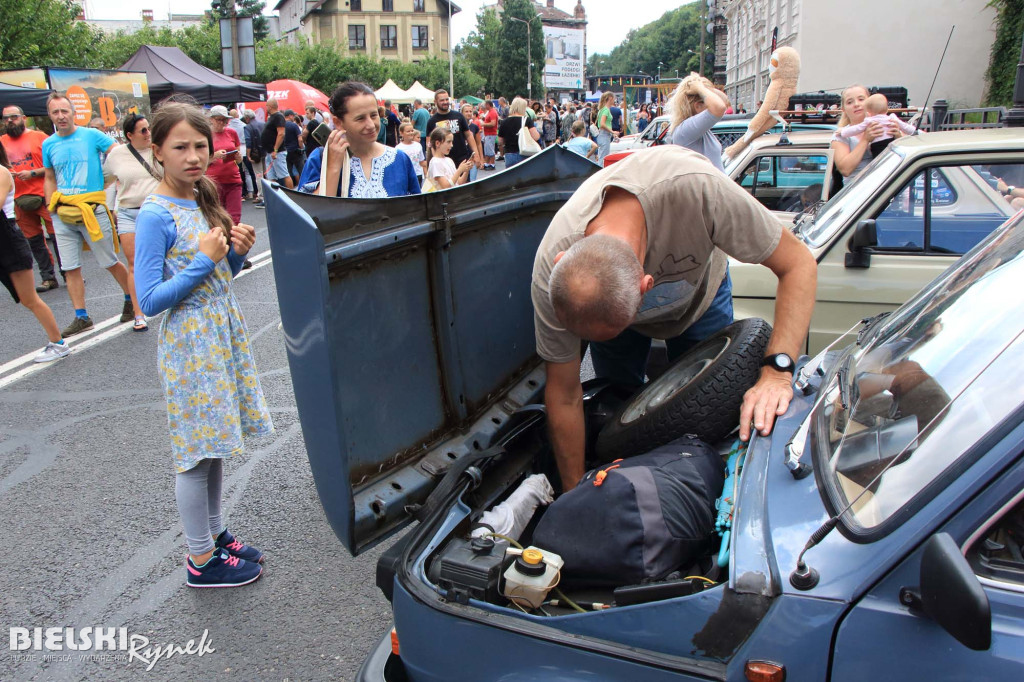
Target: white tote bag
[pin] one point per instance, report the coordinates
(345, 171)
(527, 145)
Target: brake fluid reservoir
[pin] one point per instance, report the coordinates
(531, 576)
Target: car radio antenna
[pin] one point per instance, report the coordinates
(928, 97)
(805, 577)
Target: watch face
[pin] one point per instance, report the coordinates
(783, 361)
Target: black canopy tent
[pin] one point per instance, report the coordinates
(31, 100)
(170, 71)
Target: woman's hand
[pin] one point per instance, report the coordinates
(337, 144)
(873, 131)
(214, 244)
(220, 154)
(242, 238)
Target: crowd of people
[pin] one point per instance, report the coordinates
(171, 198)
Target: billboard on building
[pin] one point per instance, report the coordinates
(563, 58)
(109, 95)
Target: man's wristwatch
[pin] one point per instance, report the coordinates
(780, 362)
(1009, 190)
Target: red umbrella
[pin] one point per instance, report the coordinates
(289, 95)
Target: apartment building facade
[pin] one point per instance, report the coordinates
(873, 42)
(406, 30)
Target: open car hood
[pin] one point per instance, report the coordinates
(409, 329)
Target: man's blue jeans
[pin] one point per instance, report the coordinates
(623, 360)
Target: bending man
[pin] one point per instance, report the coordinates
(659, 223)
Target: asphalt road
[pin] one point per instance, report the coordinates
(92, 535)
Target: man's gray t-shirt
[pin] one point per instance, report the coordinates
(695, 215)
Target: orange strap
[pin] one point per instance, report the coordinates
(603, 473)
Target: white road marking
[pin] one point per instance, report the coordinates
(110, 328)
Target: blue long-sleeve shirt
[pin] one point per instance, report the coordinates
(155, 234)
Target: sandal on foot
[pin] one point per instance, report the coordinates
(140, 324)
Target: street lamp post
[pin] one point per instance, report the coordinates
(660, 64)
(451, 57)
(529, 58)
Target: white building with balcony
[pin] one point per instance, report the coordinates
(873, 42)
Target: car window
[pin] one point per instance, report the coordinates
(785, 182)
(906, 409)
(959, 208)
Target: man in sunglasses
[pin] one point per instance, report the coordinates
(25, 151)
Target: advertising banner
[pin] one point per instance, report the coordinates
(26, 78)
(563, 58)
(109, 95)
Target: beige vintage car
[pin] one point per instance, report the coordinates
(883, 236)
(786, 173)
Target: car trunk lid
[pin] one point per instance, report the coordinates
(409, 330)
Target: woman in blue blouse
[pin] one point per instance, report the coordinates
(374, 170)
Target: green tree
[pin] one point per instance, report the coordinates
(221, 9)
(201, 43)
(666, 40)
(114, 50)
(324, 66)
(1002, 68)
(510, 68)
(44, 33)
(480, 48)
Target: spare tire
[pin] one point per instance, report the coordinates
(699, 394)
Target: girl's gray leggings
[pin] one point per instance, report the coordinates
(197, 492)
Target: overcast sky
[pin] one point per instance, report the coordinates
(608, 20)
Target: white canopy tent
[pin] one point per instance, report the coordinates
(394, 93)
(418, 91)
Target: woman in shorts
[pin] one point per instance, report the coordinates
(16, 268)
(136, 173)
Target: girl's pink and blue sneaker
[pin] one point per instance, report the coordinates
(234, 547)
(222, 570)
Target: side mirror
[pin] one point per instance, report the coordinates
(864, 237)
(951, 595)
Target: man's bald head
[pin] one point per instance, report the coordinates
(596, 287)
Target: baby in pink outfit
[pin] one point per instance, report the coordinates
(877, 107)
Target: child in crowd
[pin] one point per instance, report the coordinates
(186, 253)
(580, 143)
(877, 108)
(412, 148)
(441, 171)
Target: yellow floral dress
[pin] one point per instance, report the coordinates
(213, 391)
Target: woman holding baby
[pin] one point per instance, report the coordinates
(853, 153)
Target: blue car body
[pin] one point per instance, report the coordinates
(409, 331)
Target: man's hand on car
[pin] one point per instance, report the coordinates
(764, 401)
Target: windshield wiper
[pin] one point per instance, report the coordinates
(807, 216)
(870, 324)
(844, 382)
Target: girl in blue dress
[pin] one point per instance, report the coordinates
(187, 252)
(374, 170)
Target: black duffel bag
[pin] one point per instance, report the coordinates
(637, 519)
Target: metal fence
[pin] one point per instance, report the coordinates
(942, 118)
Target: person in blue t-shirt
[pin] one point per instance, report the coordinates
(294, 156)
(73, 166)
(580, 143)
(616, 118)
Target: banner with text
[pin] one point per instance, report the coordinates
(563, 58)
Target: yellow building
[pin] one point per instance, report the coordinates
(406, 30)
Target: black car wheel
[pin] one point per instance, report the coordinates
(700, 394)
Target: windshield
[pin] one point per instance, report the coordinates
(939, 375)
(855, 194)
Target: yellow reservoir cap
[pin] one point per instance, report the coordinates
(533, 556)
